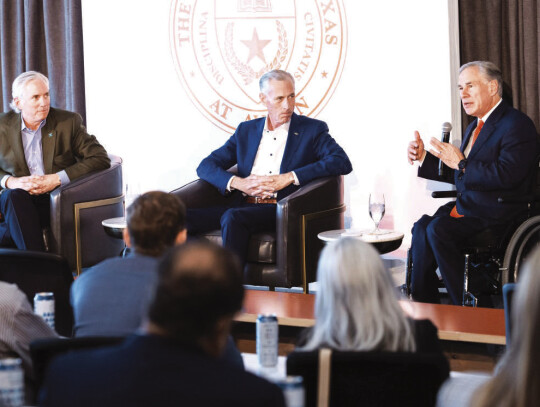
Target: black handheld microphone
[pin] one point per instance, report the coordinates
(446, 128)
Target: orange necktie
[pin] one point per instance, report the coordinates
(454, 213)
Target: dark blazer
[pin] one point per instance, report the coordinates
(501, 163)
(65, 142)
(310, 152)
(152, 371)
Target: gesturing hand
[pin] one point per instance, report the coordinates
(415, 151)
(448, 153)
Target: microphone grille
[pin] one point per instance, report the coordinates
(446, 127)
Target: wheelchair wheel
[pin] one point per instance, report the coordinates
(524, 240)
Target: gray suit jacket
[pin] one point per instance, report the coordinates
(65, 142)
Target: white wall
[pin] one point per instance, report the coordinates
(396, 79)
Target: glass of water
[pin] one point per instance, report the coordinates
(376, 210)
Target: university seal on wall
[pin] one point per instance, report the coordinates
(221, 48)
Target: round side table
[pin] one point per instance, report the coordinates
(387, 242)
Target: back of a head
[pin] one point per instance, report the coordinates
(154, 220)
(516, 381)
(355, 291)
(199, 283)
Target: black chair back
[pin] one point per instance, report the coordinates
(43, 351)
(35, 272)
(508, 296)
(373, 378)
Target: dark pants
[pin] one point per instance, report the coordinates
(237, 223)
(437, 241)
(24, 216)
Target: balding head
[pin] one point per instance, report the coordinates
(199, 284)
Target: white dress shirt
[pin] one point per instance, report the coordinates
(270, 152)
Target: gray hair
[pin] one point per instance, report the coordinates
(515, 383)
(19, 84)
(489, 71)
(356, 307)
(277, 75)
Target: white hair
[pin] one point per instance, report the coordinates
(276, 75)
(356, 306)
(19, 84)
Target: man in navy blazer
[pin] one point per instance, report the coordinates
(497, 158)
(175, 362)
(275, 155)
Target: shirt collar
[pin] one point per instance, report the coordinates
(24, 128)
(485, 117)
(284, 127)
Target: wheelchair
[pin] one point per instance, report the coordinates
(494, 256)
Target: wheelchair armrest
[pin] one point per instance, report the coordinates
(444, 194)
(519, 199)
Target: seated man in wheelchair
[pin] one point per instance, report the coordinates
(497, 158)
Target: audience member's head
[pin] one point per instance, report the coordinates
(199, 291)
(516, 381)
(356, 306)
(155, 223)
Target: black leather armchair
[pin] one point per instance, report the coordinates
(77, 210)
(289, 256)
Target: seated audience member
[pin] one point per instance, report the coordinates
(112, 298)
(175, 361)
(356, 307)
(517, 377)
(18, 327)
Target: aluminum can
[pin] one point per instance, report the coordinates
(44, 307)
(267, 340)
(11, 383)
(293, 390)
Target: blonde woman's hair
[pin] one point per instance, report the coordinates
(517, 382)
(356, 307)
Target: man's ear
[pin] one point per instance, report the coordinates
(262, 97)
(18, 103)
(127, 240)
(181, 237)
(493, 87)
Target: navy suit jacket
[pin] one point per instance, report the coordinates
(501, 163)
(152, 371)
(310, 152)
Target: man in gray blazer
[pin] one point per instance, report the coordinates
(41, 148)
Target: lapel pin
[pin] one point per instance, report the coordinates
(50, 134)
(295, 133)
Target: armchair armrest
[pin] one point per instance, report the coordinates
(300, 217)
(201, 194)
(78, 208)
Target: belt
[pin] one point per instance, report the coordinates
(257, 200)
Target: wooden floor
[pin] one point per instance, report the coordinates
(472, 337)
